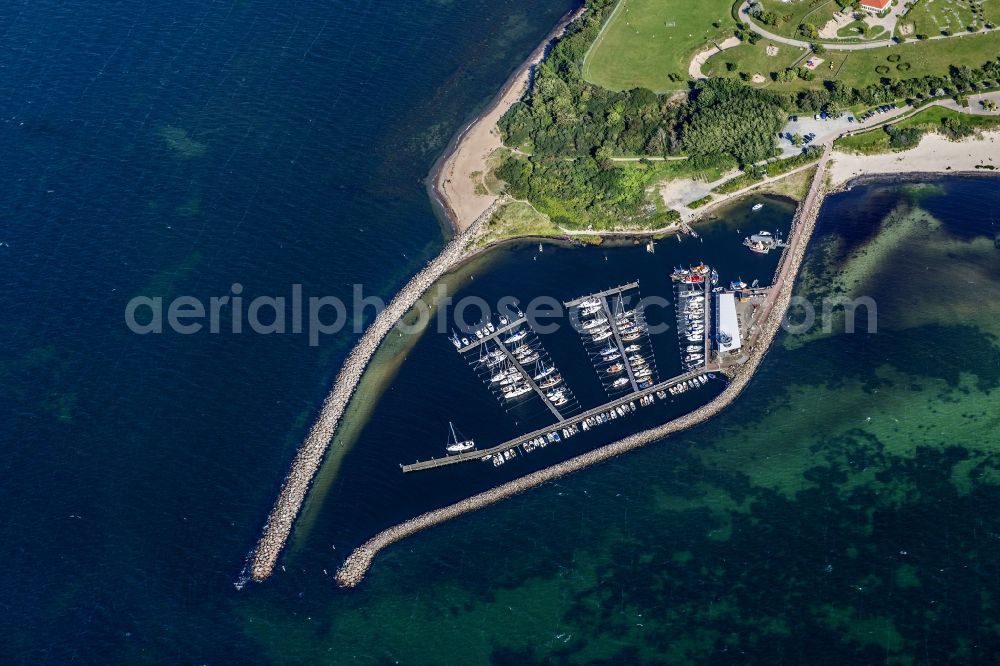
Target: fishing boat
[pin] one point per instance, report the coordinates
(620, 382)
(761, 242)
(693, 279)
(454, 445)
(615, 369)
(737, 285)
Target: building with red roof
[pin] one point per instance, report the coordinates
(876, 7)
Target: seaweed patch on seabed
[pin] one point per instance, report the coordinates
(179, 142)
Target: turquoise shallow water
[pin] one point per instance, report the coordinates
(842, 511)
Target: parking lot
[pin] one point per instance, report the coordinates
(806, 124)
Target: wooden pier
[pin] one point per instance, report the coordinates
(708, 322)
(618, 341)
(614, 291)
(531, 382)
(494, 335)
(527, 437)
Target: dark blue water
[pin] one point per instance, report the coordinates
(169, 150)
(177, 149)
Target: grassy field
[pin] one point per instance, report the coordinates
(932, 17)
(928, 120)
(796, 12)
(857, 68)
(645, 41)
(753, 59)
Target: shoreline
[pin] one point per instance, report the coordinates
(469, 150)
(927, 157)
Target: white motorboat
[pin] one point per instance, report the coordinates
(555, 380)
(517, 392)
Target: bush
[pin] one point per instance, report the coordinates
(895, 57)
(903, 139)
(903, 66)
(882, 69)
(698, 203)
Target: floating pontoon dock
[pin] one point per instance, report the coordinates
(500, 448)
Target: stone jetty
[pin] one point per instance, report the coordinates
(310, 455)
(772, 314)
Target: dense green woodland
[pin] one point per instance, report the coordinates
(572, 129)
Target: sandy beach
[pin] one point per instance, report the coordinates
(934, 154)
(457, 180)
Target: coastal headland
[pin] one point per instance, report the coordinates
(469, 209)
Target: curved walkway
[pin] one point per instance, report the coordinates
(836, 46)
(700, 58)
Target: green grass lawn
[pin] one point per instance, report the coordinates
(931, 17)
(796, 12)
(929, 120)
(647, 40)
(753, 60)
(857, 68)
